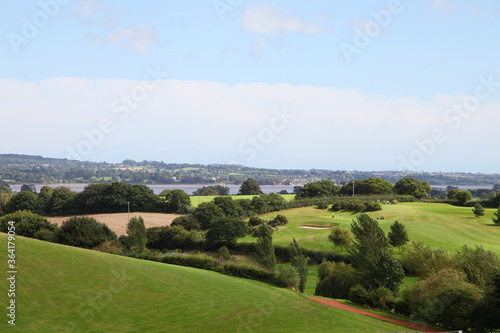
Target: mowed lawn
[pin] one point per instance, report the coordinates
(66, 289)
(439, 225)
(196, 200)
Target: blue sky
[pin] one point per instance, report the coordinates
(378, 85)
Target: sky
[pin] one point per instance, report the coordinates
(325, 84)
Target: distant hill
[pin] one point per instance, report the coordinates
(26, 169)
(65, 289)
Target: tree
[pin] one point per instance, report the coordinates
(250, 187)
(22, 201)
(188, 222)
(398, 235)
(44, 197)
(206, 213)
(324, 188)
(59, 200)
(85, 231)
(137, 237)
(164, 192)
(485, 315)
(177, 201)
(229, 206)
(340, 237)
(264, 248)
(28, 188)
(225, 231)
(413, 187)
(478, 210)
(460, 196)
(497, 214)
(299, 262)
(212, 190)
(370, 257)
(30, 225)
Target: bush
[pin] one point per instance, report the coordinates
(279, 220)
(224, 253)
(30, 225)
(323, 205)
(288, 277)
(423, 260)
(255, 221)
(335, 280)
(382, 298)
(359, 295)
(84, 231)
(188, 222)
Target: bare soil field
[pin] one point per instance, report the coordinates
(118, 221)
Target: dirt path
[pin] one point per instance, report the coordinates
(338, 305)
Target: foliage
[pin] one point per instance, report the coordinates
(288, 277)
(172, 237)
(30, 225)
(478, 264)
(340, 237)
(444, 298)
(177, 200)
(229, 207)
(212, 190)
(398, 235)
(485, 315)
(225, 231)
(478, 210)
(413, 187)
(460, 196)
(206, 213)
(323, 188)
(29, 188)
(370, 257)
(299, 262)
(188, 222)
(224, 253)
(359, 295)
(335, 280)
(25, 200)
(496, 219)
(137, 236)
(424, 261)
(279, 220)
(250, 187)
(255, 221)
(323, 205)
(356, 205)
(84, 231)
(264, 248)
(60, 201)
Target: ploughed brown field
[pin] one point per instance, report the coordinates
(118, 221)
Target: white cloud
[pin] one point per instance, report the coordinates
(447, 7)
(267, 19)
(138, 39)
(190, 120)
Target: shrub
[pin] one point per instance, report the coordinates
(288, 277)
(188, 222)
(224, 253)
(279, 220)
(110, 246)
(30, 225)
(22, 201)
(335, 280)
(255, 221)
(323, 205)
(359, 295)
(84, 231)
(423, 260)
(382, 298)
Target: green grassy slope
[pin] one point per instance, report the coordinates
(439, 225)
(66, 289)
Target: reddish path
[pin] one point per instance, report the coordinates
(338, 305)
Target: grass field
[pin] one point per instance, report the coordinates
(198, 199)
(439, 225)
(65, 289)
(118, 221)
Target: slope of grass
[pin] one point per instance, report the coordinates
(66, 289)
(439, 225)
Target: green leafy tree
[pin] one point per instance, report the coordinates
(136, 234)
(299, 262)
(28, 188)
(340, 237)
(413, 187)
(25, 200)
(250, 187)
(264, 248)
(229, 206)
(44, 197)
(324, 188)
(206, 213)
(478, 210)
(398, 235)
(5, 188)
(370, 256)
(496, 219)
(60, 200)
(164, 192)
(485, 315)
(85, 231)
(460, 196)
(177, 200)
(373, 186)
(188, 222)
(30, 225)
(225, 231)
